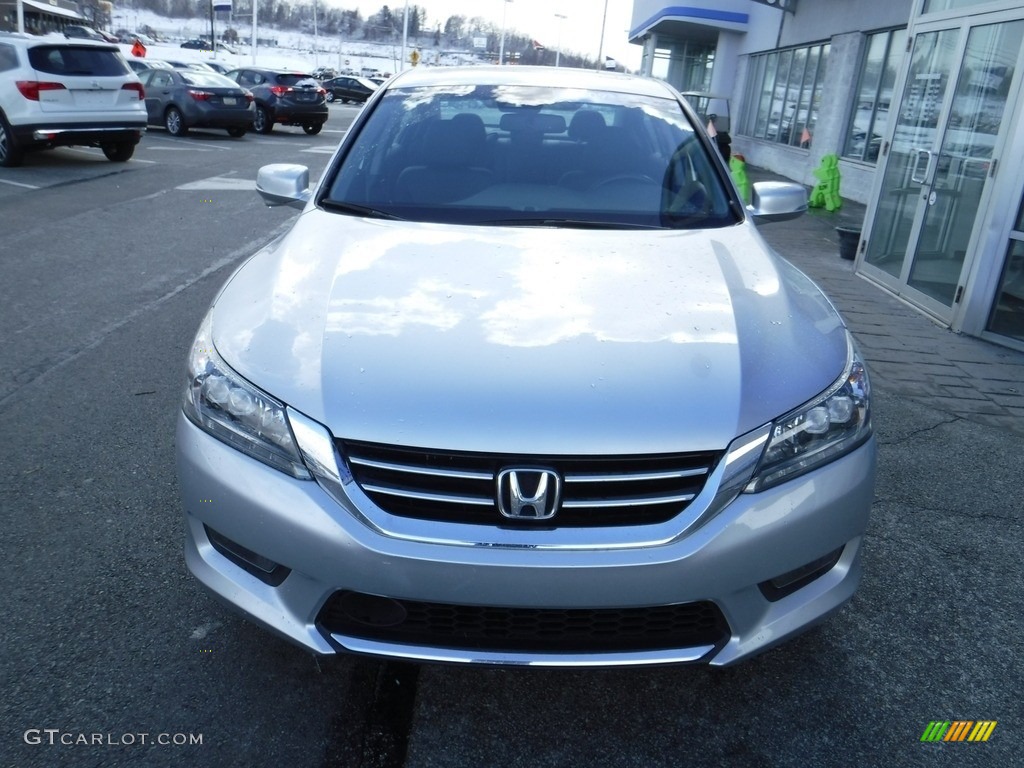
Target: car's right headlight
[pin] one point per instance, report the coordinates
(223, 404)
(831, 425)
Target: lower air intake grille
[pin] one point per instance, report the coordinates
(484, 628)
(462, 487)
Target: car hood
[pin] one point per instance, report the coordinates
(529, 340)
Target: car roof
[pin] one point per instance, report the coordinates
(562, 77)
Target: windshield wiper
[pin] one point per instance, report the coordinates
(358, 210)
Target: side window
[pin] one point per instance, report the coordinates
(8, 57)
(258, 79)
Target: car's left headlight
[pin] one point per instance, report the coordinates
(831, 425)
(222, 403)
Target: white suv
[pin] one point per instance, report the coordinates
(56, 92)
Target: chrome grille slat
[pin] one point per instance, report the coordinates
(613, 503)
(461, 487)
(407, 494)
(419, 470)
(635, 477)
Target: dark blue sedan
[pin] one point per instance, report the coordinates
(184, 99)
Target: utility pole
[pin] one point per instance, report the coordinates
(600, 45)
(405, 36)
(558, 47)
(501, 48)
(255, 5)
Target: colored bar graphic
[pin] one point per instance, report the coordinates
(935, 731)
(958, 730)
(982, 730)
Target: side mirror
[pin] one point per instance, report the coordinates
(284, 184)
(777, 201)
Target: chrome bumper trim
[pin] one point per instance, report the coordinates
(419, 653)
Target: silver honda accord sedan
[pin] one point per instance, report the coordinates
(524, 385)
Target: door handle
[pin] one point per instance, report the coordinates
(917, 163)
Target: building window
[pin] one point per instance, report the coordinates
(882, 57)
(1007, 317)
(783, 94)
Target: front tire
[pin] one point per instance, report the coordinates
(329, 97)
(119, 152)
(313, 129)
(10, 155)
(262, 123)
(174, 122)
(236, 133)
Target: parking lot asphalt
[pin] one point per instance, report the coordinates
(908, 354)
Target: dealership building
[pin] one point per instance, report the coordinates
(921, 101)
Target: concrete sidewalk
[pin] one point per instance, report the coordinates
(907, 353)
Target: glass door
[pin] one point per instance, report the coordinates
(940, 160)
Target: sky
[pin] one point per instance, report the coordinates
(580, 30)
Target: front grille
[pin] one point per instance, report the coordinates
(462, 487)
(488, 628)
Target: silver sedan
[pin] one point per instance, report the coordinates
(523, 385)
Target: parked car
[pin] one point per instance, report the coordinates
(523, 385)
(194, 65)
(284, 96)
(78, 32)
(346, 89)
(56, 92)
(184, 99)
(324, 73)
(197, 44)
(217, 67)
(141, 65)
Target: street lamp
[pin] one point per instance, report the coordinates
(558, 46)
(501, 48)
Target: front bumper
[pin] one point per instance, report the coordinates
(321, 550)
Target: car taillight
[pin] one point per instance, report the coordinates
(200, 95)
(30, 88)
(279, 90)
(248, 97)
(322, 91)
(137, 87)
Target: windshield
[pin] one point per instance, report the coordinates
(510, 154)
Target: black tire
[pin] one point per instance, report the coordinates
(174, 122)
(119, 152)
(313, 128)
(329, 96)
(262, 123)
(236, 132)
(10, 155)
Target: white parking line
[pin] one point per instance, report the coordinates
(220, 183)
(18, 184)
(321, 150)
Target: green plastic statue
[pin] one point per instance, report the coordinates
(826, 192)
(738, 169)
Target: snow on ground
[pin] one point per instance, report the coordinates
(294, 50)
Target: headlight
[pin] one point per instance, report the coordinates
(222, 403)
(823, 430)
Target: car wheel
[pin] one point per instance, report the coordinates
(262, 123)
(236, 133)
(329, 96)
(313, 128)
(119, 152)
(10, 155)
(174, 122)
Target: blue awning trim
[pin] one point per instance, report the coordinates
(693, 13)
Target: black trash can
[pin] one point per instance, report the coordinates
(848, 239)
